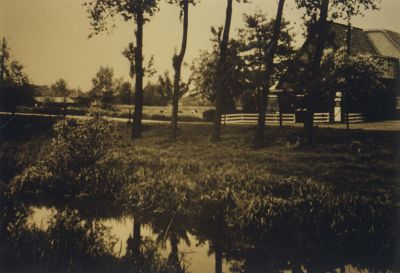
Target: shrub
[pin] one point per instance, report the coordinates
(75, 156)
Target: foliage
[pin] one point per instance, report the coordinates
(102, 10)
(166, 85)
(245, 64)
(338, 8)
(60, 88)
(124, 93)
(204, 73)
(155, 94)
(68, 244)
(15, 88)
(11, 71)
(72, 163)
(255, 38)
(357, 76)
(105, 86)
(129, 54)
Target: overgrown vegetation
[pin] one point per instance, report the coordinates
(237, 199)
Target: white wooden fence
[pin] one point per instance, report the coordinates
(325, 117)
(253, 118)
(286, 118)
(354, 118)
(321, 117)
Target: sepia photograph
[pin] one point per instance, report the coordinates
(199, 136)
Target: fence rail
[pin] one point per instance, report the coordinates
(253, 118)
(321, 117)
(354, 118)
(286, 118)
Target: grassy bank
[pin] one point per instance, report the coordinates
(331, 160)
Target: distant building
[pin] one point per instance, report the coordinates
(384, 44)
(62, 101)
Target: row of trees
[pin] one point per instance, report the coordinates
(15, 87)
(266, 47)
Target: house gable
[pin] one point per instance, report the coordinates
(386, 42)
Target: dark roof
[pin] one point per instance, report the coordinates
(360, 43)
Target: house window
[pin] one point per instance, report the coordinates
(390, 69)
(398, 103)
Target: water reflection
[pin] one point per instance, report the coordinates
(165, 246)
(195, 254)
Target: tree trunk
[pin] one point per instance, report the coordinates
(136, 241)
(221, 69)
(177, 64)
(3, 62)
(347, 96)
(269, 61)
(315, 72)
(218, 258)
(137, 118)
(174, 255)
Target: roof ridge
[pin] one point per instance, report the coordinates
(344, 25)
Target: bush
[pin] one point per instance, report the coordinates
(73, 162)
(208, 115)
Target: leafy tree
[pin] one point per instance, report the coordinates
(269, 55)
(129, 54)
(15, 88)
(60, 88)
(104, 86)
(5, 57)
(166, 85)
(140, 11)
(358, 74)
(221, 70)
(124, 95)
(263, 41)
(153, 95)
(204, 73)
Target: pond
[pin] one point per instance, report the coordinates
(333, 255)
(196, 255)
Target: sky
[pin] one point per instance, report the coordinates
(50, 37)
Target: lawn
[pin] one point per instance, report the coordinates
(331, 160)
